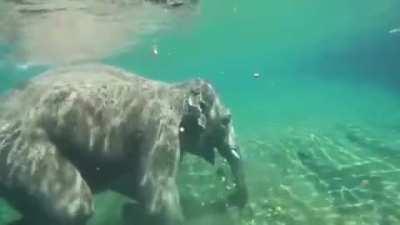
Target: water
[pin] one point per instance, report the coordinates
(318, 125)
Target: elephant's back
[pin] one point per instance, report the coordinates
(92, 81)
(96, 74)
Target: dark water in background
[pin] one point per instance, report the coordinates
(326, 98)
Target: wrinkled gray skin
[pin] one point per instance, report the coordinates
(79, 130)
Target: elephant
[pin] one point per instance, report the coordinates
(78, 130)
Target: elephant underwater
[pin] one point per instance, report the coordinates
(75, 131)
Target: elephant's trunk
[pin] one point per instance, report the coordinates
(232, 155)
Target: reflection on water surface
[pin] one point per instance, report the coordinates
(67, 31)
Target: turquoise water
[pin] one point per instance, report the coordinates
(319, 126)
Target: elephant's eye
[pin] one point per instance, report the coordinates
(226, 119)
(203, 106)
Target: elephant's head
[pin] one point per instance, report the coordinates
(207, 128)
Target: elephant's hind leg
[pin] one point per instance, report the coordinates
(44, 186)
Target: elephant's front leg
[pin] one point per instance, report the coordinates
(158, 190)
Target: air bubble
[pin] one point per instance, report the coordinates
(155, 50)
(256, 75)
